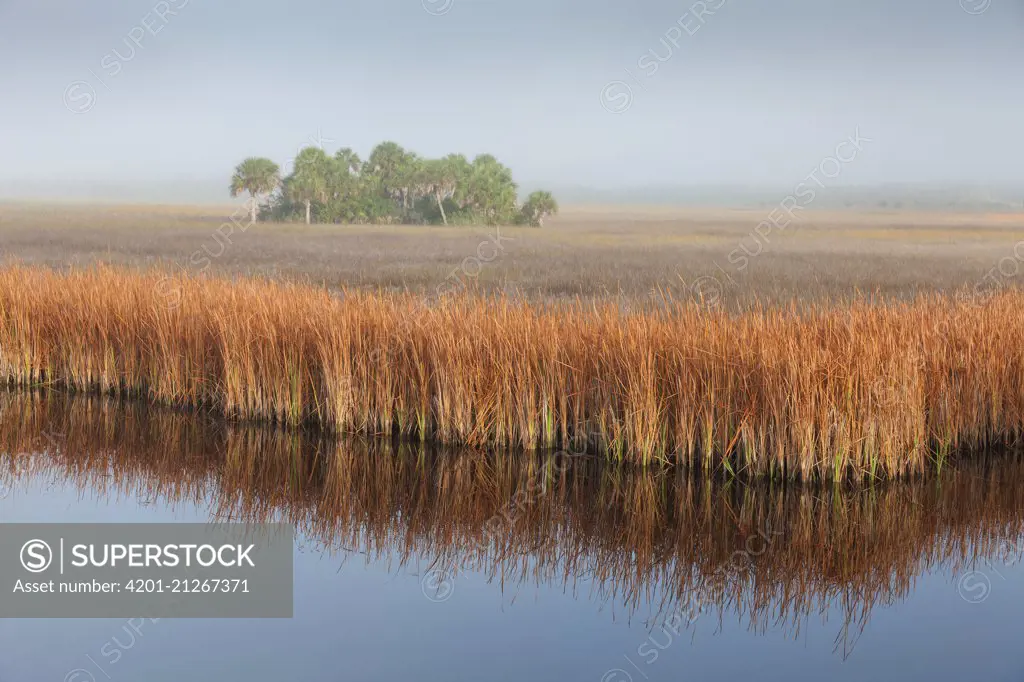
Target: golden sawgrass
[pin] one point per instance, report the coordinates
(863, 390)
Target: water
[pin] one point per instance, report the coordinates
(412, 564)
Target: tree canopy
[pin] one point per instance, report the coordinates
(257, 176)
(393, 185)
(309, 180)
(539, 206)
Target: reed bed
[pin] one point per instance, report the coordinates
(644, 544)
(863, 390)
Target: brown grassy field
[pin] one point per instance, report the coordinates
(588, 251)
(863, 390)
(719, 373)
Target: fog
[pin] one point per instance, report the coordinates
(569, 93)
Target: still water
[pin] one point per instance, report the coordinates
(412, 564)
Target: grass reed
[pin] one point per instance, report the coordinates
(864, 390)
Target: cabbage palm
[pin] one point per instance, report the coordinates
(490, 190)
(443, 177)
(257, 176)
(539, 206)
(309, 179)
(388, 161)
(348, 161)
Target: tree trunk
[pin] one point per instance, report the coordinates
(308, 203)
(253, 209)
(440, 205)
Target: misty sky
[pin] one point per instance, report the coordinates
(758, 94)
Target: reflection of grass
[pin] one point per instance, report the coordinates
(821, 392)
(772, 555)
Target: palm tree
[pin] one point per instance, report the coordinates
(348, 160)
(442, 178)
(490, 190)
(257, 176)
(386, 161)
(309, 179)
(539, 206)
(409, 180)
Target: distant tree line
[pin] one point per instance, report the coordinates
(391, 186)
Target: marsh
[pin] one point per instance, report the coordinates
(634, 254)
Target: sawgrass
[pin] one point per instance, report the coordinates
(832, 392)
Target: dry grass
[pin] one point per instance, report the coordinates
(627, 253)
(856, 391)
(771, 555)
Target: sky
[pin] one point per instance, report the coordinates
(566, 92)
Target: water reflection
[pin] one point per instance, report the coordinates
(660, 547)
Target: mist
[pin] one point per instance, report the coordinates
(145, 99)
